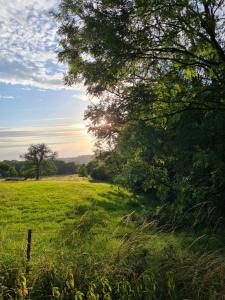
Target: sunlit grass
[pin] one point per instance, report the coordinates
(99, 231)
(51, 209)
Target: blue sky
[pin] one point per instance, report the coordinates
(35, 105)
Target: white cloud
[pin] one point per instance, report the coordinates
(2, 97)
(26, 89)
(28, 44)
(43, 130)
(82, 96)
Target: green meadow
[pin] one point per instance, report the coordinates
(53, 209)
(97, 241)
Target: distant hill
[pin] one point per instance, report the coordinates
(81, 159)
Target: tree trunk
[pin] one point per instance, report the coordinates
(37, 177)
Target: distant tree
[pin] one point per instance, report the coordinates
(12, 171)
(18, 165)
(65, 168)
(71, 168)
(36, 158)
(48, 168)
(104, 166)
(4, 169)
(28, 170)
(7, 170)
(82, 172)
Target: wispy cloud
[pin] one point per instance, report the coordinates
(44, 131)
(28, 57)
(2, 97)
(28, 44)
(66, 139)
(82, 97)
(26, 89)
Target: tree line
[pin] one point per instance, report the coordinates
(39, 160)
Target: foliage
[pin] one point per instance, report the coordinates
(25, 169)
(82, 171)
(39, 161)
(48, 168)
(104, 166)
(66, 168)
(7, 170)
(159, 71)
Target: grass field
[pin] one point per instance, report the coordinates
(52, 208)
(102, 237)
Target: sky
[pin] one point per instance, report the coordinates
(35, 105)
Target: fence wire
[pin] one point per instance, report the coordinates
(42, 241)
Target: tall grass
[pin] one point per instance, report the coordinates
(137, 261)
(114, 247)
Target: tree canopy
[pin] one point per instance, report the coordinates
(39, 161)
(158, 69)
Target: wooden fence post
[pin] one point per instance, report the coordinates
(29, 237)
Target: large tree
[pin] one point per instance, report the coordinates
(37, 157)
(146, 59)
(159, 69)
(112, 42)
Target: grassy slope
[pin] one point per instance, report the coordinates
(51, 209)
(99, 230)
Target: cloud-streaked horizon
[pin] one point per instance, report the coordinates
(33, 97)
(67, 140)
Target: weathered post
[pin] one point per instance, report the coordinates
(29, 237)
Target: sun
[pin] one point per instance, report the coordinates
(103, 122)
